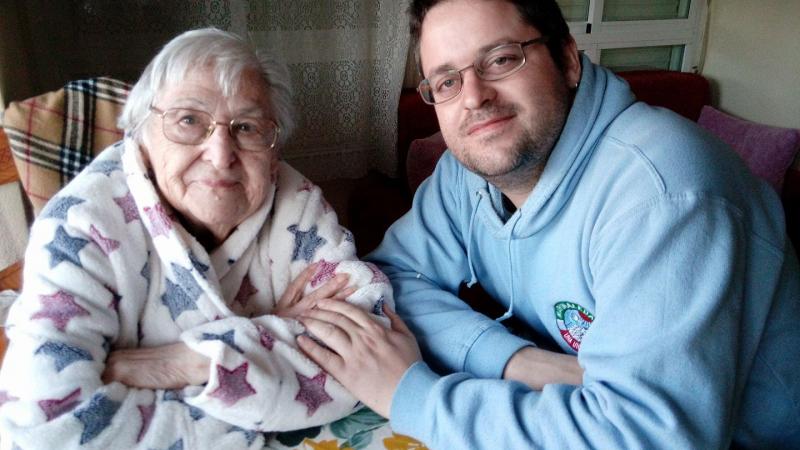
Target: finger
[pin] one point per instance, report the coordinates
(295, 289)
(328, 360)
(396, 322)
(351, 312)
(343, 294)
(331, 287)
(328, 332)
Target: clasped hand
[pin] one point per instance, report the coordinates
(174, 366)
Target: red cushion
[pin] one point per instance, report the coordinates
(684, 93)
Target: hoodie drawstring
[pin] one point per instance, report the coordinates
(510, 311)
(472, 277)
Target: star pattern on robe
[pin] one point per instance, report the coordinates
(249, 435)
(64, 247)
(104, 167)
(106, 245)
(306, 186)
(58, 207)
(96, 416)
(176, 396)
(265, 337)
(146, 411)
(233, 385)
(128, 206)
(181, 296)
(226, 337)
(57, 406)
(245, 291)
(377, 308)
(178, 445)
(115, 298)
(160, 223)
(60, 308)
(348, 236)
(306, 243)
(325, 271)
(145, 272)
(198, 265)
(63, 354)
(377, 275)
(312, 392)
(5, 398)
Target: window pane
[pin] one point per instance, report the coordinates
(617, 10)
(666, 57)
(574, 10)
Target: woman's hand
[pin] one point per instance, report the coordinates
(292, 303)
(171, 366)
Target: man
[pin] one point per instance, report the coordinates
(619, 232)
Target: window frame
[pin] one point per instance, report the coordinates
(689, 32)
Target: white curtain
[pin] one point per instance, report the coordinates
(347, 61)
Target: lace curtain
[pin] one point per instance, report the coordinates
(346, 57)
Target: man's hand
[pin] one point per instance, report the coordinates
(363, 355)
(292, 303)
(536, 367)
(170, 366)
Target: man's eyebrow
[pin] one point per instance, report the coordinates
(449, 66)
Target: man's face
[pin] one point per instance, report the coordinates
(498, 129)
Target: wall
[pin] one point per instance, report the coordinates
(753, 59)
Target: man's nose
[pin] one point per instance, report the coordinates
(476, 91)
(220, 148)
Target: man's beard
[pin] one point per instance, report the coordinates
(527, 155)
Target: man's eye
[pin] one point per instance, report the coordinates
(447, 84)
(502, 60)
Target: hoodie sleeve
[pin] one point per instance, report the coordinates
(425, 257)
(673, 266)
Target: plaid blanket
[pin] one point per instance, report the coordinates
(55, 135)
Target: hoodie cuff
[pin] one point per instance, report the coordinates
(410, 397)
(490, 352)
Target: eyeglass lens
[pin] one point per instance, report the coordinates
(495, 64)
(192, 127)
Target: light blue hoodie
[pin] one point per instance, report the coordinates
(646, 248)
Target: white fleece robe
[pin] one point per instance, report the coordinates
(108, 266)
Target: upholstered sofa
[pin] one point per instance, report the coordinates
(770, 152)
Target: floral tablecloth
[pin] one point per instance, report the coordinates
(363, 429)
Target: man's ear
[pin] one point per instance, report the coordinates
(572, 63)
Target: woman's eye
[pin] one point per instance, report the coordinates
(245, 127)
(188, 119)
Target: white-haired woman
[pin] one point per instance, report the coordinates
(161, 284)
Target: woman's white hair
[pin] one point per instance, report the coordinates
(228, 55)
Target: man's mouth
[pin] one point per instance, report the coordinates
(488, 125)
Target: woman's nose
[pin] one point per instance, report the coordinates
(220, 148)
(476, 92)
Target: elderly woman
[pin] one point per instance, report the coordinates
(161, 284)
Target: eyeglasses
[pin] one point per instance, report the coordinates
(495, 64)
(193, 127)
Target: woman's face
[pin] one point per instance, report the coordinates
(213, 185)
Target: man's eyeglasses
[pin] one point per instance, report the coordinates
(193, 127)
(496, 64)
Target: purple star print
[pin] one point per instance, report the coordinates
(312, 392)
(233, 385)
(60, 308)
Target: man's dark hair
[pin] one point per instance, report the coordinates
(544, 15)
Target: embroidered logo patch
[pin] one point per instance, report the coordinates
(573, 321)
